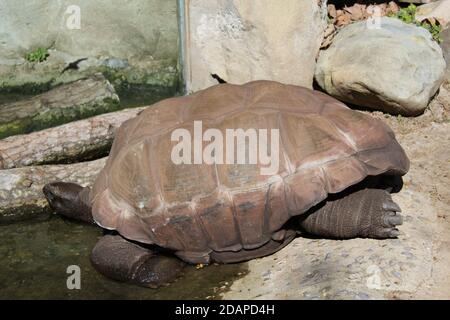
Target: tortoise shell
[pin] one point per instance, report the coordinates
(195, 209)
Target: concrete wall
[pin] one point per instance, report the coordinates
(142, 34)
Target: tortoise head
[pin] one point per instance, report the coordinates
(69, 200)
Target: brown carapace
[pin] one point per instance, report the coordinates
(217, 210)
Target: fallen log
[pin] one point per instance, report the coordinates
(77, 100)
(73, 142)
(21, 196)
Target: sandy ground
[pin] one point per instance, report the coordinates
(414, 266)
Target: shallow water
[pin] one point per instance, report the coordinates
(135, 96)
(138, 96)
(35, 257)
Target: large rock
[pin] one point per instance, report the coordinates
(445, 35)
(417, 1)
(444, 92)
(439, 10)
(243, 40)
(142, 35)
(396, 68)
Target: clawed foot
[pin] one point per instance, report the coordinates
(157, 271)
(391, 219)
(366, 213)
(385, 219)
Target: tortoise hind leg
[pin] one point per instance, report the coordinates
(367, 213)
(124, 261)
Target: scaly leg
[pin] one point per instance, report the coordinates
(122, 260)
(367, 213)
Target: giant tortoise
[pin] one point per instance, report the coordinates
(337, 169)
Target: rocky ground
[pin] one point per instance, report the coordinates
(414, 266)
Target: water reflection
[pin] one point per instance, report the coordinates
(36, 256)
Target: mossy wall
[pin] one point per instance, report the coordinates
(141, 36)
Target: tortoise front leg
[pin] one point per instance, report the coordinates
(122, 260)
(367, 213)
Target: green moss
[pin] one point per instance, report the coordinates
(85, 153)
(135, 87)
(28, 88)
(162, 78)
(54, 117)
(13, 128)
(38, 55)
(122, 79)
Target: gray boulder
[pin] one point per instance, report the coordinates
(439, 10)
(241, 41)
(445, 35)
(396, 68)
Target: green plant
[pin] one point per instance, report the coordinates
(408, 15)
(433, 28)
(38, 55)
